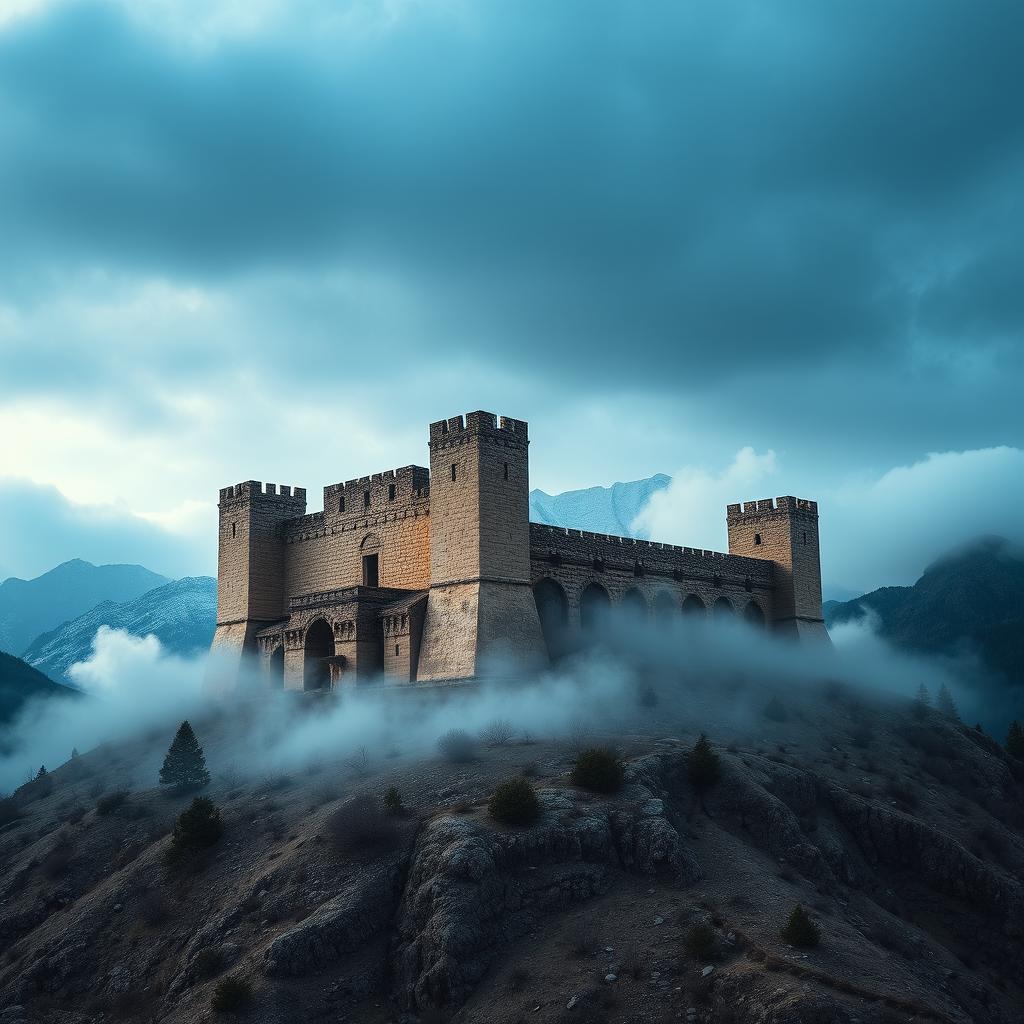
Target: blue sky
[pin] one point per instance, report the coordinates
(274, 240)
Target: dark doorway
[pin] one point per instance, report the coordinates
(723, 609)
(633, 603)
(693, 606)
(370, 570)
(275, 669)
(316, 671)
(753, 615)
(553, 610)
(594, 605)
(665, 607)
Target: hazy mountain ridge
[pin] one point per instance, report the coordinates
(181, 615)
(20, 682)
(597, 509)
(972, 598)
(31, 607)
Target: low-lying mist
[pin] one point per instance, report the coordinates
(664, 679)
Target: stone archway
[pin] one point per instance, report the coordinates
(553, 611)
(634, 603)
(723, 609)
(753, 615)
(317, 649)
(666, 608)
(694, 607)
(594, 606)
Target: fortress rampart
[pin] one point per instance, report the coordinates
(423, 573)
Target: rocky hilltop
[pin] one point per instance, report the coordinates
(899, 831)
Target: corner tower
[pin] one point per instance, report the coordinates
(785, 531)
(480, 604)
(250, 569)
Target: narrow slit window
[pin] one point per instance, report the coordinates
(805, 537)
(757, 538)
(396, 650)
(391, 492)
(234, 529)
(341, 502)
(506, 470)
(453, 470)
(366, 499)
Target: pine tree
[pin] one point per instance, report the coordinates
(945, 703)
(74, 753)
(42, 771)
(185, 766)
(703, 765)
(1015, 740)
(197, 828)
(922, 702)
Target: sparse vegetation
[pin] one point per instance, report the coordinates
(231, 994)
(457, 746)
(359, 763)
(514, 803)
(360, 824)
(197, 829)
(393, 801)
(184, 766)
(703, 765)
(800, 930)
(498, 733)
(598, 769)
(110, 802)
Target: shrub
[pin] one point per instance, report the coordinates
(703, 765)
(393, 801)
(207, 963)
(499, 733)
(231, 994)
(598, 769)
(197, 829)
(184, 766)
(9, 810)
(109, 802)
(1014, 740)
(700, 940)
(458, 746)
(514, 803)
(359, 763)
(76, 814)
(360, 824)
(800, 930)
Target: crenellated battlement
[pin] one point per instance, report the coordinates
(393, 487)
(785, 504)
(475, 423)
(555, 532)
(253, 489)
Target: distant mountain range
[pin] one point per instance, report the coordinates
(30, 607)
(180, 614)
(597, 509)
(971, 599)
(20, 682)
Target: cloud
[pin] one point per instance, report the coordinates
(50, 530)
(875, 530)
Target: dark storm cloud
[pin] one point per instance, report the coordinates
(701, 186)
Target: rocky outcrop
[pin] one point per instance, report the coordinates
(473, 887)
(342, 925)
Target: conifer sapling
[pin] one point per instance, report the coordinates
(184, 766)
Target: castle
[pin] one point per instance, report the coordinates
(419, 575)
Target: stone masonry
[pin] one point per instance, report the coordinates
(419, 575)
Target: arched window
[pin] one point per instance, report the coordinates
(634, 603)
(694, 607)
(666, 609)
(723, 609)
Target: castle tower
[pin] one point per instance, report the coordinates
(250, 570)
(480, 603)
(785, 531)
